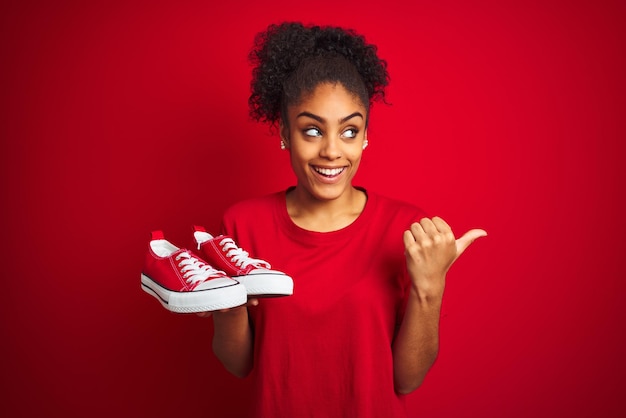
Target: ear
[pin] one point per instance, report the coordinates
(365, 141)
(284, 133)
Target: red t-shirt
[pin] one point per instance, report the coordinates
(326, 350)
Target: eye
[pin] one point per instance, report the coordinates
(350, 133)
(312, 132)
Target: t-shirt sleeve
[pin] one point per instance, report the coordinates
(239, 219)
(229, 224)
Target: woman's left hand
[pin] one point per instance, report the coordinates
(431, 248)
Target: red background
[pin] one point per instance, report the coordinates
(122, 117)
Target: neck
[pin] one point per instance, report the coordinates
(325, 215)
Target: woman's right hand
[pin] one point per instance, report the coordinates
(233, 341)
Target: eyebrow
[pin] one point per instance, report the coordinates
(321, 119)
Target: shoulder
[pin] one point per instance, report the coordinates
(249, 211)
(253, 204)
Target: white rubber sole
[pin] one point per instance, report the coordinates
(207, 300)
(267, 285)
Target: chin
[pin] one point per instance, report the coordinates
(328, 192)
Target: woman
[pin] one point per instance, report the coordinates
(361, 328)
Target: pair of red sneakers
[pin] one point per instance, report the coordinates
(220, 276)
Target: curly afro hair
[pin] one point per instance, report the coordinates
(290, 59)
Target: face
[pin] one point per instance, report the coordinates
(325, 134)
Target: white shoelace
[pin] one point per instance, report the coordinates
(240, 257)
(194, 270)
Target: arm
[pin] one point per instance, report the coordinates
(417, 342)
(233, 339)
(430, 249)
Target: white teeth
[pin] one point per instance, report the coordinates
(328, 171)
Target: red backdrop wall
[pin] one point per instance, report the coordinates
(122, 117)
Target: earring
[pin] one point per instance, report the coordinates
(365, 143)
(283, 146)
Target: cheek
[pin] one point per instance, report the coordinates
(355, 155)
(303, 152)
(355, 162)
(299, 160)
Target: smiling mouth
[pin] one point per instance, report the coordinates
(329, 172)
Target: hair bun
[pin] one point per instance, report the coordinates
(282, 48)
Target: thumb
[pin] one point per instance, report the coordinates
(463, 242)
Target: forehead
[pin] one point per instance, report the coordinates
(331, 99)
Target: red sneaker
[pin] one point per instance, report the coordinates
(183, 283)
(256, 275)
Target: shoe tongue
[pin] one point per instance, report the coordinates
(202, 236)
(180, 251)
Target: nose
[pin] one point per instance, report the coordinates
(330, 148)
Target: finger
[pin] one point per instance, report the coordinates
(408, 238)
(441, 225)
(203, 314)
(418, 232)
(445, 234)
(428, 226)
(463, 242)
(253, 302)
(414, 234)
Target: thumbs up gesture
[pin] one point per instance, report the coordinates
(430, 249)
